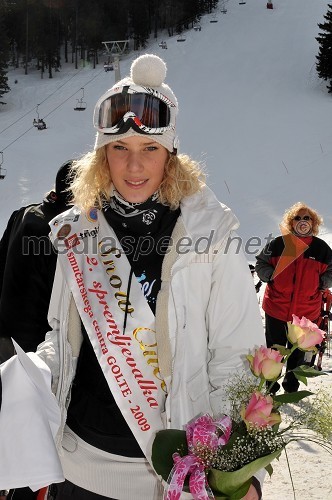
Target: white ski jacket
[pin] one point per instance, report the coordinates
(207, 306)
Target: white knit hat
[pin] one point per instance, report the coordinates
(147, 71)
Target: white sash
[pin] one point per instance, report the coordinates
(97, 273)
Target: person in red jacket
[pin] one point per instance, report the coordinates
(296, 266)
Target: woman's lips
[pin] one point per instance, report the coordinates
(136, 184)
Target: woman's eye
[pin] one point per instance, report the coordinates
(118, 147)
(152, 148)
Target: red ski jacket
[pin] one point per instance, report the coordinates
(298, 288)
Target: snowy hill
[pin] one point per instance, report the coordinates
(251, 108)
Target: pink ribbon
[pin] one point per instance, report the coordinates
(201, 431)
(192, 465)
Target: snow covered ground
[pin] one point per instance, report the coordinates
(310, 465)
(251, 108)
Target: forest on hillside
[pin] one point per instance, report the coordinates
(49, 32)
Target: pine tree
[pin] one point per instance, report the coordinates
(4, 55)
(324, 58)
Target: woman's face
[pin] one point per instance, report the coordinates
(137, 166)
(302, 223)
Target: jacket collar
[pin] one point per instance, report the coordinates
(203, 214)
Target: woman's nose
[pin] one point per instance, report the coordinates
(134, 161)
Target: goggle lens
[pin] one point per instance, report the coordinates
(298, 217)
(149, 109)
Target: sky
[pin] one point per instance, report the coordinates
(252, 111)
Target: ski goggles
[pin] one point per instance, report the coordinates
(145, 109)
(305, 217)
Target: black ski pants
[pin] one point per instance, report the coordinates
(276, 333)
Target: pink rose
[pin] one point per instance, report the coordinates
(266, 363)
(259, 411)
(304, 334)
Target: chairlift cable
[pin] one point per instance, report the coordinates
(63, 102)
(17, 138)
(30, 111)
(48, 114)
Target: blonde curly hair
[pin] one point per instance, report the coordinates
(294, 210)
(92, 182)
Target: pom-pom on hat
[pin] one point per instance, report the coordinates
(148, 71)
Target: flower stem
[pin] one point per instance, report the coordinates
(261, 383)
(290, 474)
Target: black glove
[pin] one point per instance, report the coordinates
(258, 286)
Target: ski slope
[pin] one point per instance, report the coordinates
(252, 110)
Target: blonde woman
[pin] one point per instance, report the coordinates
(297, 268)
(152, 310)
(302, 220)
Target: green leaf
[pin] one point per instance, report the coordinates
(228, 483)
(282, 349)
(307, 371)
(165, 444)
(301, 378)
(269, 469)
(238, 494)
(292, 397)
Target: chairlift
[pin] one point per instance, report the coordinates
(214, 19)
(108, 67)
(197, 27)
(3, 171)
(81, 105)
(163, 44)
(181, 38)
(39, 123)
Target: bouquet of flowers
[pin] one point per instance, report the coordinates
(218, 457)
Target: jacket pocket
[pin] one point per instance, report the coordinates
(198, 392)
